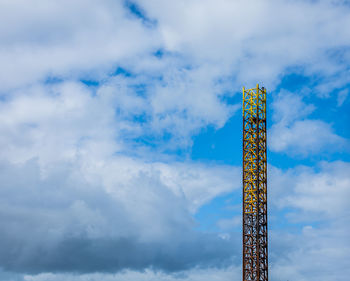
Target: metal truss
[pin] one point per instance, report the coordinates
(255, 265)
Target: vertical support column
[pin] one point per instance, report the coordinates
(255, 263)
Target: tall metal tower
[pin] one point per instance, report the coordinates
(255, 264)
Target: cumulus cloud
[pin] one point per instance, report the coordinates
(182, 87)
(314, 200)
(71, 219)
(74, 199)
(65, 223)
(54, 123)
(65, 39)
(92, 95)
(90, 42)
(321, 193)
(230, 273)
(256, 40)
(293, 134)
(301, 195)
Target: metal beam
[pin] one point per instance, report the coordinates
(255, 256)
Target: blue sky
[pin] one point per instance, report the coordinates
(120, 123)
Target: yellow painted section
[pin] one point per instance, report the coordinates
(254, 148)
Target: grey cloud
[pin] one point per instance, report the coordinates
(223, 274)
(84, 255)
(59, 222)
(81, 206)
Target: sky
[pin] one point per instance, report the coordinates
(121, 137)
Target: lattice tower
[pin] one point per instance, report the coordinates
(255, 263)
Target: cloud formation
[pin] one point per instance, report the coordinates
(294, 134)
(98, 97)
(121, 215)
(314, 200)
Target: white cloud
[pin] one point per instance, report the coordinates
(65, 39)
(294, 135)
(304, 138)
(67, 151)
(55, 122)
(254, 40)
(82, 209)
(288, 107)
(317, 253)
(320, 194)
(231, 273)
(313, 200)
(182, 90)
(70, 189)
(342, 95)
(228, 224)
(209, 41)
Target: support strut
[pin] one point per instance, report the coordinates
(255, 263)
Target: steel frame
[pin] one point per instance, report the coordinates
(255, 256)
